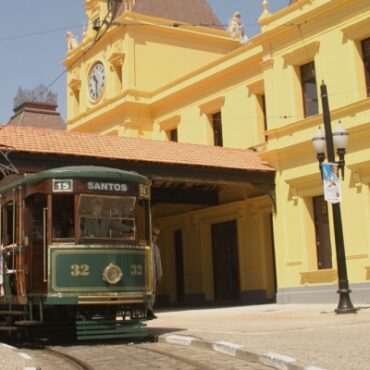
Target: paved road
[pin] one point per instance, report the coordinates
(312, 335)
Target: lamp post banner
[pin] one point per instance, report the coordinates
(332, 191)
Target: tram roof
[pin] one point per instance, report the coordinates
(74, 172)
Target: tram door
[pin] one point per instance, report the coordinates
(225, 261)
(35, 206)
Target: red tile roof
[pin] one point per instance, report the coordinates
(66, 143)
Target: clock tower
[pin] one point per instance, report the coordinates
(130, 51)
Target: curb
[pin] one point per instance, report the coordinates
(274, 360)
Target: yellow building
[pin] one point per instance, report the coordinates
(159, 75)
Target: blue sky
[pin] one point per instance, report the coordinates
(28, 61)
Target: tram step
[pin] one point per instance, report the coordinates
(13, 313)
(103, 329)
(8, 328)
(28, 323)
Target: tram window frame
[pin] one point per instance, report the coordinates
(87, 214)
(143, 218)
(9, 234)
(66, 228)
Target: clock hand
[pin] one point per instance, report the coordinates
(96, 83)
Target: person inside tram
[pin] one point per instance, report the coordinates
(99, 225)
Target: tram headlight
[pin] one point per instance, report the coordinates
(112, 274)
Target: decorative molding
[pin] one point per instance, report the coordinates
(309, 185)
(92, 9)
(356, 181)
(357, 256)
(170, 123)
(367, 268)
(293, 194)
(319, 276)
(256, 87)
(117, 59)
(75, 85)
(294, 263)
(267, 62)
(358, 31)
(302, 55)
(269, 189)
(360, 174)
(212, 106)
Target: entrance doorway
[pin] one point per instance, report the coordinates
(225, 261)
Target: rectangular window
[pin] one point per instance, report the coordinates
(262, 113)
(172, 135)
(366, 58)
(323, 245)
(217, 129)
(309, 89)
(63, 216)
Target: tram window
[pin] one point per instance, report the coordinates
(63, 216)
(107, 217)
(36, 203)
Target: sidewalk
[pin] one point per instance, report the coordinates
(13, 359)
(285, 336)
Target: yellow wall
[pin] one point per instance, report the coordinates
(254, 240)
(160, 92)
(139, 59)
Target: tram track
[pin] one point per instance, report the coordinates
(75, 362)
(195, 364)
(132, 356)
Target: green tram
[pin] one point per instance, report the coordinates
(75, 250)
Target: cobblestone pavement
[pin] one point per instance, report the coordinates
(143, 356)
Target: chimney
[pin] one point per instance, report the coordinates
(41, 115)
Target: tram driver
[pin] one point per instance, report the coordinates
(99, 224)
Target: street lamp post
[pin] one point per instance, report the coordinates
(340, 139)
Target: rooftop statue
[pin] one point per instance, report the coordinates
(236, 28)
(129, 5)
(71, 41)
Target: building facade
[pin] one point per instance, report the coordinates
(172, 79)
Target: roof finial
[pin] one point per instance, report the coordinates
(129, 5)
(265, 12)
(265, 5)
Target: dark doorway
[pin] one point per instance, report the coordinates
(179, 261)
(225, 261)
(323, 245)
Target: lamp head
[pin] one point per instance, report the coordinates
(318, 142)
(340, 136)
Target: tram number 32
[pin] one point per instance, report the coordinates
(84, 270)
(80, 270)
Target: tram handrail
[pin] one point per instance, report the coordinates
(44, 219)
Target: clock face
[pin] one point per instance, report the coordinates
(96, 80)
